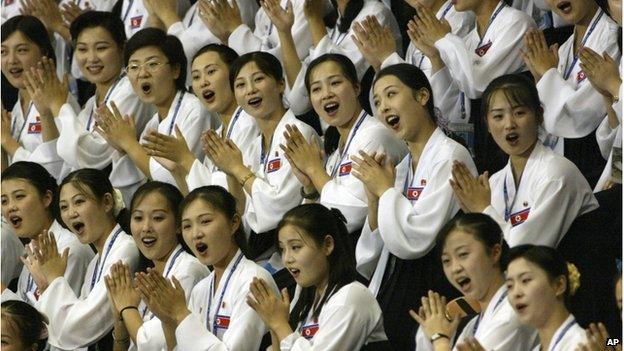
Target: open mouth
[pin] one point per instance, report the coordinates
(16, 221)
(146, 88)
(512, 138)
(95, 69)
(254, 102)
(148, 241)
(294, 272)
(331, 108)
(16, 71)
(208, 95)
(565, 7)
(392, 120)
(201, 248)
(78, 227)
(463, 282)
(520, 307)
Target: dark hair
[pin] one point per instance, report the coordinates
(332, 137)
(482, 227)
(414, 78)
(267, 63)
(30, 323)
(519, 90)
(33, 29)
(40, 178)
(547, 259)
(222, 201)
(96, 182)
(170, 46)
(226, 53)
(317, 221)
(351, 11)
(93, 19)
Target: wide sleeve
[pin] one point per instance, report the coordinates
(409, 231)
(556, 205)
(605, 136)
(79, 257)
(447, 95)
(368, 250)
(474, 73)
(44, 154)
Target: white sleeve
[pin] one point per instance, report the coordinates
(569, 112)
(408, 231)
(44, 154)
(12, 249)
(79, 258)
(8, 295)
(124, 173)
(368, 250)
(446, 94)
(198, 176)
(191, 41)
(554, 209)
(605, 136)
(474, 73)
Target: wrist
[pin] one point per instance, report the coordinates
(614, 88)
(169, 18)
(282, 330)
(180, 316)
(187, 160)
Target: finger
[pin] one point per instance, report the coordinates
(285, 296)
(416, 317)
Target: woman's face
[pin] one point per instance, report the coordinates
(615, 8)
(211, 82)
(399, 108)
(305, 260)
(208, 232)
(531, 293)
(468, 264)
(572, 11)
(514, 128)
(333, 96)
(98, 55)
(24, 207)
(256, 92)
(152, 75)
(83, 214)
(18, 54)
(153, 227)
(11, 338)
(466, 5)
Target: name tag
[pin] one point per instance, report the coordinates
(483, 49)
(520, 217)
(135, 22)
(222, 322)
(8, 2)
(274, 165)
(580, 76)
(345, 169)
(413, 193)
(309, 331)
(35, 128)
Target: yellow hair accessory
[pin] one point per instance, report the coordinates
(574, 278)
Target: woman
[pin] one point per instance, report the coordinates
(573, 108)
(332, 83)
(539, 283)
(23, 327)
(156, 67)
(333, 311)
(30, 207)
(217, 316)
(88, 206)
(473, 255)
(210, 76)
(538, 194)
(268, 187)
(99, 40)
(29, 132)
(407, 205)
(155, 226)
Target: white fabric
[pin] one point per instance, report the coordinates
(12, 250)
(245, 328)
(80, 320)
(344, 191)
(564, 340)
(349, 319)
(134, 15)
(553, 192)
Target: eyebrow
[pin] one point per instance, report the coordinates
(519, 275)
(155, 210)
(199, 215)
(146, 59)
(204, 67)
(326, 78)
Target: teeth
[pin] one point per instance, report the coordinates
(208, 94)
(254, 101)
(78, 226)
(330, 107)
(148, 240)
(392, 120)
(201, 247)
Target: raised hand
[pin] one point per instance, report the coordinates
(32, 265)
(432, 316)
(5, 126)
(420, 41)
(71, 10)
(306, 156)
(282, 19)
(173, 148)
(52, 263)
(120, 132)
(430, 26)
(538, 57)
(220, 17)
(119, 286)
(272, 309)
(375, 171)
(375, 42)
(164, 300)
(222, 152)
(470, 344)
(602, 72)
(46, 91)
(473, 193)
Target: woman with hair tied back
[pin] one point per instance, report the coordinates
(23, 327)
(540, 283)
(473, 254)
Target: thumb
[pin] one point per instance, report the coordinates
(65, 255)
(607, 57)
(65, 81)
(455, 322)
(176, 283)
(285, 296)
(178, 133)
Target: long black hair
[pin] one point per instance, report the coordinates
(267, 63)
(317, 221)
(30, 323)
(33, 29)
(519, 90)
(352, 9)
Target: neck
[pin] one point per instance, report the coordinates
(267, 125)
(226, 115)
(219, 267)
(46, 226)
(483, 13)
(417, 145)
(320, 289)
(495, 284)
(345, 129)
(24, 98)
(436, 5)
(342, 5)
(582, 26)
(102, 88)
(555, 320)
(518, 163)
(159, 264)
(107, 230)
(164, 107)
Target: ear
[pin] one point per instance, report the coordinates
(47, 199)
(357, 88)
(560, 285)
(422, 96)
(108, 202)
(236, 223)
(281, 86)
(497, 251)
(328, 245)
(176, 71)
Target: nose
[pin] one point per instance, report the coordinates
(326, 91)
(11, 56)
(196, 233)
(147, 226)
(287, 257)
(205, 81)
(250, 88)
(10, 205)
(510, 121)
(91, 55)
(456, 267)
(142, 71)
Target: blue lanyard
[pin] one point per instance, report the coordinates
(171, 264)
(345, 151)
(500, 300)
(498, 10)
(563, 333)
(175, 112)
(108, 94)
(127, 10)
(233, 122)
(210, 293)
(192, 17)
(264, 154)
(569, 69)
(446, 10)
(94, 278)
(19, 136)
(508, 207)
